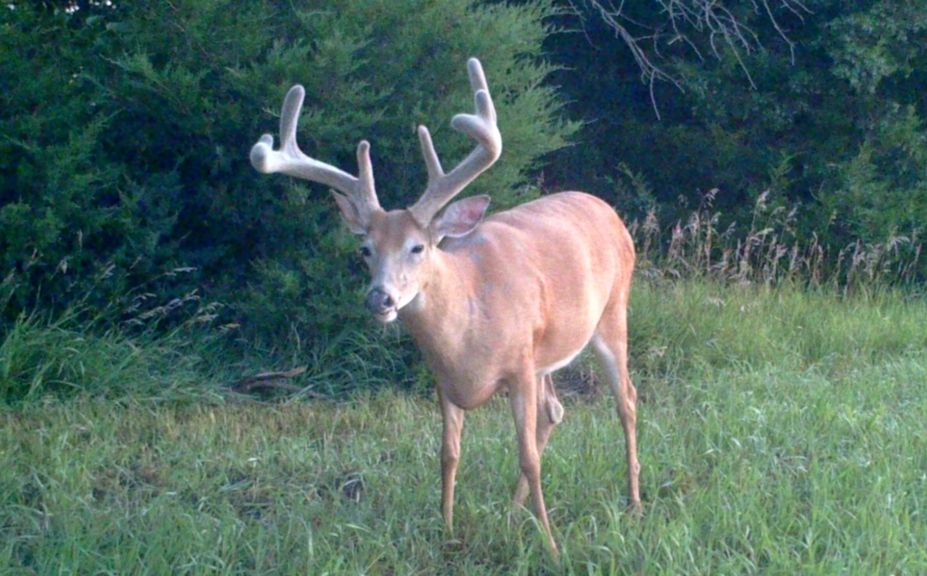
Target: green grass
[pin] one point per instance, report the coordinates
(780, 432)
(64, 357)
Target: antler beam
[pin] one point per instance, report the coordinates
(290, 160)
(480, 127)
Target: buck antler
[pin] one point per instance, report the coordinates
(290, 160)
(480, 127)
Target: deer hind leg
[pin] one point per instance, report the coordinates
(523, 396)
(550, 413)
(611, 346)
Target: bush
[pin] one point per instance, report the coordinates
(126, 130)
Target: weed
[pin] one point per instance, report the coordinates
(770, 251)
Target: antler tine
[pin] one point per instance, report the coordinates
(432, 162)
(290, 160)
(480, 127)
(478, 83)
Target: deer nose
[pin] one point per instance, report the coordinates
(379, 301)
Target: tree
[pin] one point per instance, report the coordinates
(670, 29)
(821, 103)
(126, 129)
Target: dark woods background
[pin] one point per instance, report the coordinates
(126, 194)
(820, 103)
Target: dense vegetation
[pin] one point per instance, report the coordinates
(126, 126)
(821, 103)
(126, 197)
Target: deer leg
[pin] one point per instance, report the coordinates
(453, 417)
(611, 345)
(550, 413)
(523, 398)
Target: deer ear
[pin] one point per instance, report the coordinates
(460, 218)
(350, 214)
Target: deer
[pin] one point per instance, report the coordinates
(495, 304)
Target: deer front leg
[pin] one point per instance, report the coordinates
(523, 397)
(450, 455)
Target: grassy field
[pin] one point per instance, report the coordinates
(780, 431)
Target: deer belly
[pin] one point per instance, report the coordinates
(468, 394)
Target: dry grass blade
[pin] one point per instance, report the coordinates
(770, 252)
(270, 381)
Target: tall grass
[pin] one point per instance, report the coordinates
(144, 345)
(770, 251)
(140, 343)
(675, 327)
(64, 356)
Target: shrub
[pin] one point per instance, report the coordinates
(126, 129)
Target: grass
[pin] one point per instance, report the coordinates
(781, 431)
(65, 356)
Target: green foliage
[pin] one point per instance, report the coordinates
(873, 45)
(126, 131)
(66, 357)
(125, 190)
(838, 130)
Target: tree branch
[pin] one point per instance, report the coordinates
(712, 19)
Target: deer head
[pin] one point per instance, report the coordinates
(399, 246)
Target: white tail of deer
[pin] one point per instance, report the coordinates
(495, 304)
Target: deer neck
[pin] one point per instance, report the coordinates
(441, 315)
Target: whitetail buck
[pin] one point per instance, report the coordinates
(494, 304)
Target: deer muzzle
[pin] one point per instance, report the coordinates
(381, 304)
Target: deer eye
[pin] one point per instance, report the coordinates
(365, 251)
(418, 249)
